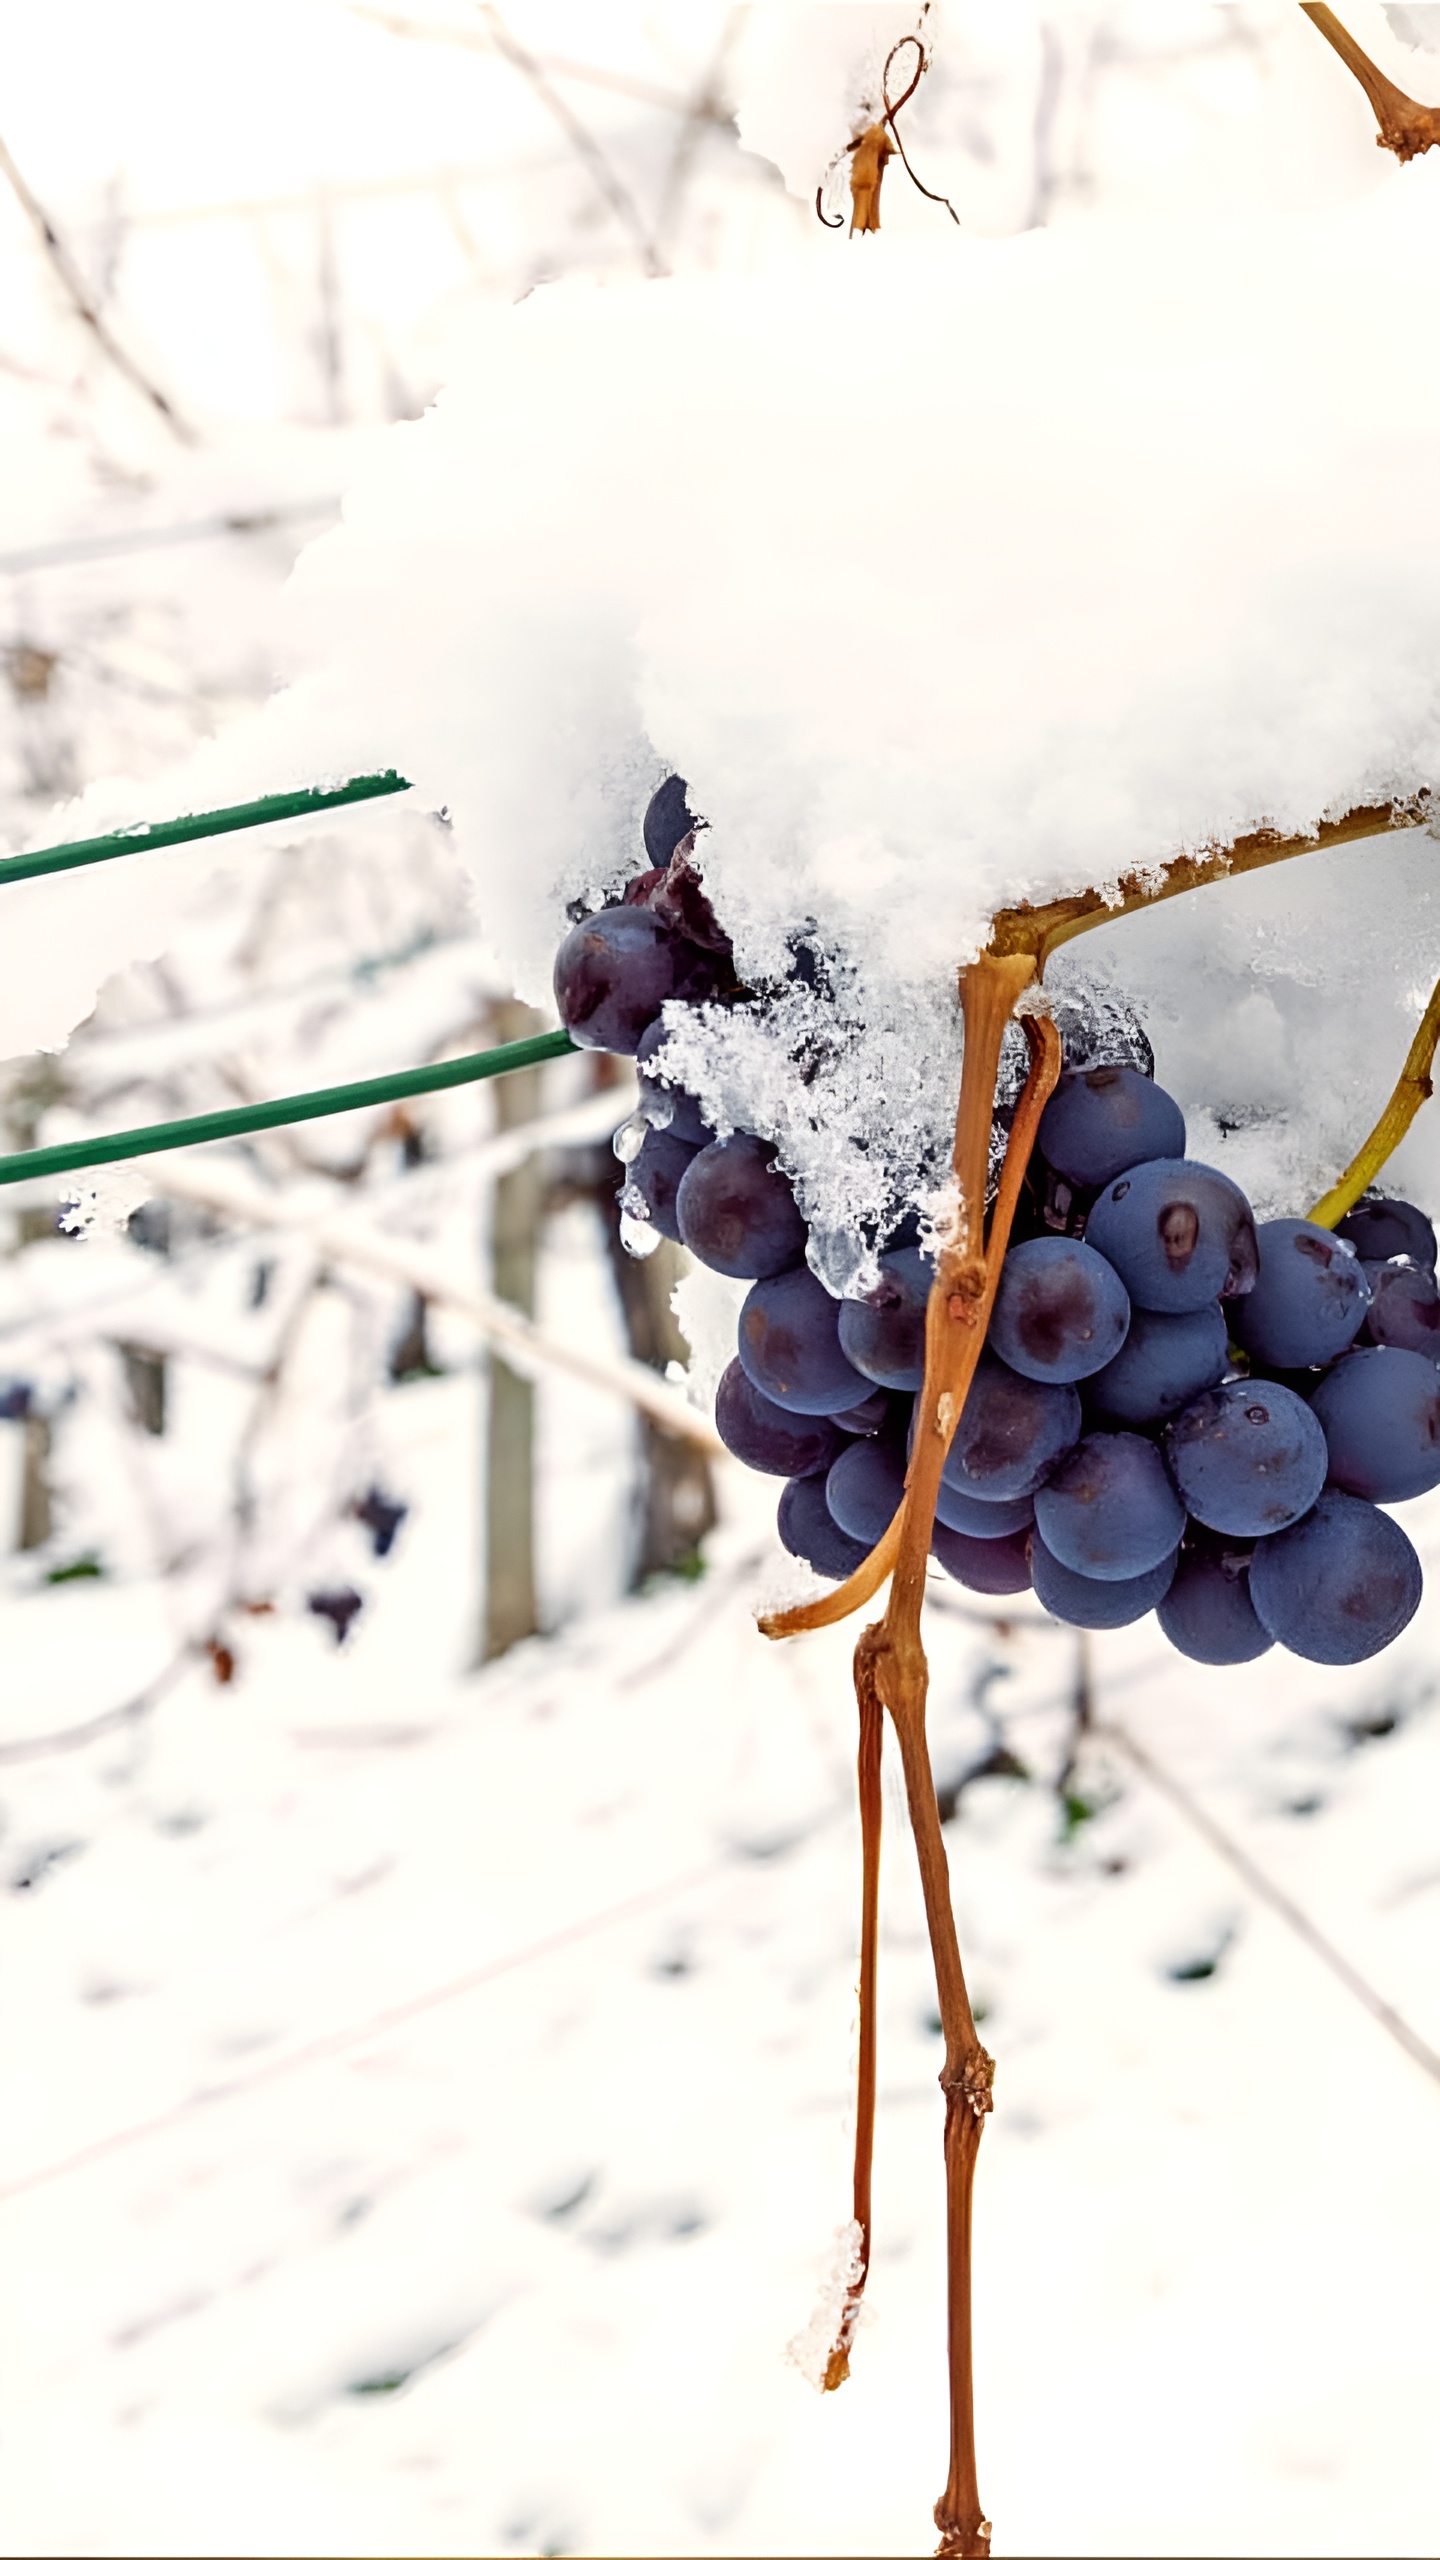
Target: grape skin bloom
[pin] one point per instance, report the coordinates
(883, 1334)
(1079, 1600)
(739, 1216)
(1163, 1363)
(790, 1345)
(1060, 1312)
(808, 1529)
(1310, 1298)
(1178, 1233)
(1101, 1120)
(1249, 1457)
(1380, 1413)
(1340, 1585)
(1207, 1613)
(766, 1437)
(1110, 1510)
(616, 969)
(1010, 1433)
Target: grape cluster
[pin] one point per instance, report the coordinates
(1177, 1410)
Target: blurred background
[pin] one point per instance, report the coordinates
(430, 1905)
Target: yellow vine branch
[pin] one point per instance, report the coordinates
(1413, 1088)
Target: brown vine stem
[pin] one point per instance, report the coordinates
(1405, 128)
(1413, 1088)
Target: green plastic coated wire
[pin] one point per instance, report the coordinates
(81, 1153)
(205, 822)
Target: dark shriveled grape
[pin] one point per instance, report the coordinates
(1309, 1300)
(738, 1215)
(1380, 1414)
(1207, 1613)
(764, 1436)
(614, 971)
(1010, 1433)
(1163, 1362)
(1404, 1308)
(668, 820)
(1101, 1120)
(1061, 1312)
(657, 1173)
(1178, 1234)
(808, 1529)
(997, 1566)
(1078, 1600)
(1379, 1229)
(1340, 1585)
(790, 1345)
(1249, 1458)
(1109, 1509)
(883, 1334)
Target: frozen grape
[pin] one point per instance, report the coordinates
(1101, 1120)
(864, 1486)
(668, 1106)
(1249, 1457)
(1109, 1509)
(790, 1345)
(1379, 1229)
(738, 1215)
(1060, 1311)
(982, 1519)
(1379, 1412)
(1010, 1433)
(668, 820)
(807, 1527)
(1079, 1600)
(657, 1173)
(1163, 1362)
(1178, 1234)
(1309, 1299)
(614, 970)
(1338, 1586)
(764, 1436)
(1404, 1308)
(994, 1565)
(884, 1334)
(1207, 1613)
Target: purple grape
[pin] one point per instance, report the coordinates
(1404, 1308)
(657, 1173)
(1163, 1362)
(807, 1528)
(1380, 1415)
(982, 1519)
(1178, 1234)
(1079, 1600)
(1010, 1434)
(738, 1215)
(1380, 1229)
(1309, 1300)
(1249, 1457)
(883, 1335)
(1207, 1612)
(764, 1436)
(1060, 1311)
(994, 1565)
(668, 1106)
(790, 1345)
(1341, 1584)
(870, 1416)
(615, 970)
(1101, 1120)
(668, 820)
(1109, 1509)
(864, 1488)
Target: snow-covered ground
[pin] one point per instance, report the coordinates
(430, 2094)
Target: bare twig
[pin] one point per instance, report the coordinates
(1274, 1896)
(79, 298)
(582, 141)
(70, 1737)
(1405, 128)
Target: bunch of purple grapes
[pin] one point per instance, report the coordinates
(1176, 1409)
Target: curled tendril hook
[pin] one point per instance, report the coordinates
(892, 108)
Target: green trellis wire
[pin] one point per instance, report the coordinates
(81, 1153)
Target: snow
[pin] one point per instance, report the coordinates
(443, 2128)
